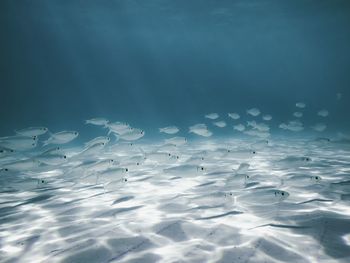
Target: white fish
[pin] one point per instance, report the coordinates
(220, 124)
(267, 117)
(54, 150)
(323, 113)
(169, 130)
(100, 139)
(19, 142)
(112, 174)
(264, 197)
(234, 116)
(22, 165)
(185, 170)
(93, 149)
(200, 129)
(212, 116)
(119, 128)
(320, 127)
(158, 156)
(177, 141)
(32, 131)
(97, 121)
(254, 112)
(61, 137)
(300, 105)
(133, 135)
(100, 166)
(258, 126)
(116, 184)
(295, 126)
(239, 127)
(298, 114)
(52, 159)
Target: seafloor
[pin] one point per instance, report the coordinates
(210, 201)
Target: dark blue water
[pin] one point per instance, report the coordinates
(156, 63)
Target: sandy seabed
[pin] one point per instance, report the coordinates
(210, 201)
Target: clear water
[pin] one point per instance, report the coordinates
(154, 64)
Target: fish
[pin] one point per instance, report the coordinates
(22, 165)
(254, 112)
(61, 137)
(220, 124)
(239, 127)
(97, 121)
(185, 170)
(234, 116)
(323, 113)
(158, 156)
(100, 139)
(267, 117)
(200, 129)
(295, 126)
(32, 131)
(212, 116)
(177, 141)
(133, 135)
(169, 130)
(92, 150)
(54, 150)
(52, 159)
(257, 133)
(119, 128)
(298, 114)
(300, 105)
(242, 168)
(258, 126)
(269, 196)
(19, 142)
(5, 151)
(319, 127)
(112, 174)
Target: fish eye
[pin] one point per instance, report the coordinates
(6, 170)
(33, 144)
(108, 138)
(169, 154)
(1, 151)
(177, 157)
(228, 151)
(202, 168)
(137, 163)
(42, 181)
(282, 193)
(64, 157)
(202, 158)
(126, 169)
(12, 151)
(75, 133)
(254, 152)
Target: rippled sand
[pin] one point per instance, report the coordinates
(170, 210)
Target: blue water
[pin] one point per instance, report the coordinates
(156, 63)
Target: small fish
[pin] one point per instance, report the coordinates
(52, 159)
(158, 156)
(298, 114)
(220, 124)
(62, 137)
(239, 127)
(267, 117)
(323, 113)
(257, 133)
(212, 116)
(300, 105)
(185, 170)
(258, 126)
(169, 130)
(93, 149)
(295, 126)
(22, 165)
(100, 139)
(133, 135)
(254, 112)
(32, 131)
(112, 174)
(242, 168)
(119, 128)
(264, 197)
(234, 116)
(54, 150)
(97, 121)
(5, 151)
(177, 141)
(319, 127)
(19, 142)
(200, 129)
